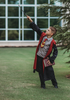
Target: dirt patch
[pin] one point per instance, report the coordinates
(18, 85)
(68, 76)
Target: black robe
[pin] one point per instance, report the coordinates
(48, 71)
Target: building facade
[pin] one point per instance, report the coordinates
(14, 27)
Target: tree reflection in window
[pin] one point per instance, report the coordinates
(2, 11)
(13, 1)
(42, 23)
(2, 1)
(2, 34)
(42, 1)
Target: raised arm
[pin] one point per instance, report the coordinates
(34, 26)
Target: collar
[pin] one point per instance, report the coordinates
(49, 38)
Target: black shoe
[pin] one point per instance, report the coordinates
(43, 87)
(56, 86)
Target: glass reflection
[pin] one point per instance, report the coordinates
(54, 22)
(2, 22)
(20, 34)
(20, 23)
(29, 11)
(2, 11)
(13, 1)
(42, 23)
(38, 37)
(2, 34)
(13, 23)
(55, 2)
(28, 35)
(13, 11)
(56, 13)
(42, 1)
(26, 23)
(41, 12)
(13, 35)
(2, 1)
(27, 1)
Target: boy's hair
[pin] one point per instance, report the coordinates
(53, 29)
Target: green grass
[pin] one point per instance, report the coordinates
(18, 82)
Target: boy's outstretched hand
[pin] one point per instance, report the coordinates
(28, 17)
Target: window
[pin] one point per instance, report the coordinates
(26, 23)
(54, 22)
(41, 12)
(42, 23)
(27, 1)
(42, 1)
(2, 34)
(2, 22)
(13, 11)
(14, 25)
(13, 1)
(28, 35)
(2, 1)
(2, 11)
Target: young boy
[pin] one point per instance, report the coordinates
(44, 49)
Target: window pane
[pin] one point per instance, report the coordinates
(13, 23)
(56, 11)
(2, 11)
(42, 1)
(42, 23)
(41, 12)
(21, 12)
(13, 35)
(26, 23)
(2, 1)
(28, 35)
(38, 36)
(20, 34)
(29, 11)
(13, 11)
(2, 34)
(27, 2)
(54, 22)
(2, 23)
(13, 1)
(20, 23)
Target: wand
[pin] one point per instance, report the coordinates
(23, 11)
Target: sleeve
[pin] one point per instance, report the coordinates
(55, 52)
(36, 28)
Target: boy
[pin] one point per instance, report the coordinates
(44, 49)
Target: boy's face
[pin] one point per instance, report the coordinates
(49, 32)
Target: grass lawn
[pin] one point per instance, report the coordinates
(18, 82)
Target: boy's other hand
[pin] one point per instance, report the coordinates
(48, 61)
(28, 17)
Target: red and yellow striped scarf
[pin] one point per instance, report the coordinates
(43, 43)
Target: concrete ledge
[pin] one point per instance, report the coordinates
(21, 44)
(18, 43)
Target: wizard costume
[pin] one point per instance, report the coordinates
(43, 50)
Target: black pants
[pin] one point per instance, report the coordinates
(41, 74)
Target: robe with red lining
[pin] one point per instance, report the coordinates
(48, 53)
